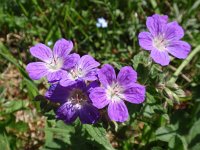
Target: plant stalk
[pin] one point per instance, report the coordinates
(184, 63)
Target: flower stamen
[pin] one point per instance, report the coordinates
(78, 97)
(114, 92)
(55, 64)
(160, 43)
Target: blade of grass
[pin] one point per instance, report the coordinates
(32, 89)
(184, 63)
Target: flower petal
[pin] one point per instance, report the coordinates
(87, 62)
(145, 40)
(92, 85)
(98, 97)
(55, 76)
(57, 93)
(173, 31)
(179, 49)
(88, 114)
(67, 112)
(91, 75)
(156, 24)
(160, 57)
(37, 70)
(107, 75)
(62, 48)
(80, 84)
(42, 52)
(117, 111)
(70, 61)
(66, 81)
(134, 93)
(126, 75)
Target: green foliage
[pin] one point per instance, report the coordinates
(170, 116)
(99, 135)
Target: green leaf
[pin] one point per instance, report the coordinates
(58, 137)
(157, 148)
(150, 98)
(2, 91)
(195, 147)
(165, 133)
(19, 126)
(99, 135)
(194, 133)
(31, 88)
(141, 58)
(4, 143)
(13, 106)
(178, 142)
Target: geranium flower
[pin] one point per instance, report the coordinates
(74, 102)
(115, 90)
(85, 69)
(163, 38)
(54, 64)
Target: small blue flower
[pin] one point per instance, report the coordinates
(49, 43)
(101, 23)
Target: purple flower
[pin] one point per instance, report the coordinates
(163, 38)
(54, 64)
(74, 102)
(85, 69)
(115, 90)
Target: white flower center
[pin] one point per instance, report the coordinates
(76, 73)
(160, 43)
(55, 64)
(78, 98)
(114, 92)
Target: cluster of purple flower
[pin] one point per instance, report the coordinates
(81, 88)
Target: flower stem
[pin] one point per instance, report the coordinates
(184, 63)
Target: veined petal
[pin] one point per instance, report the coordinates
(134, 93)
(160, 57)
(179, 49)
(37, 70)
(173, 31)
(66, 81)
(156, 24)
(70, 61)
(92, 85)
(57, 93)
(62, 48)
(42, 52)
(91, 75)
(107, 75)
(145, 40)
(67, 112)
(126, 75)
(117, 111)
(87, 63)
(88, 114)
(98, 97)
(56, 76)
